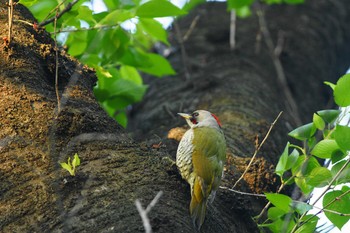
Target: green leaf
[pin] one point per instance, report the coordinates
(319, 177)
(341, 205)
(332, 85)
(41, 8)
(309, 223)
(304, 165)
(77, 43)
(303, 132)
(301, 169)
(135, 57)
(68, 168)
(344, 176)
(155, 29)
(279, 224)
(191, 4)
(337, 156)
(27, 3)
(318, 122)
(122, 119)
(301, 182)
(325, 148)
(85, 13)
(236, 4)
(302, 207)
(282, 162)
(292, 159)
(115, 17)
(243, 12)
(281, 201)
(275, 213)
(158, 8)
(273, 1)
(160, 66)
(341, 91)
(130, 73)
(128, 89)
(294, 1)
(76, 161)
(342, 136)
(329, 115)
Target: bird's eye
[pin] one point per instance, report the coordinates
(195, 114)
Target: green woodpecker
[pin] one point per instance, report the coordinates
(200, 159)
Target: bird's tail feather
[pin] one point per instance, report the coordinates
(198, 205)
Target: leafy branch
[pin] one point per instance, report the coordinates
(299, 165)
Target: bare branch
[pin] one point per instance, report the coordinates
(10, 15)
(57, 16)
(190, 30)
(143, 212)
(243, 193)
(281, 77)
(56, 68)
(233, 29)
(87, 29)
(183, 50)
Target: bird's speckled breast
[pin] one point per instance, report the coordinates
(184, 155)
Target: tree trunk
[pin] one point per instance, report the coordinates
(240, 86)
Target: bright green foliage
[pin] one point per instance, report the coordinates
(300, 166)
(303, 132)
(329, 115)
(115, 52)
(318, 122)
(342, 91)
(325, 148)
(319, 177)
(342, 136)
(158, 8)
(281, 201)
(71, 166)
(236, 4)
(338, 204)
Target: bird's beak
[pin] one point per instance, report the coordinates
(185, 115)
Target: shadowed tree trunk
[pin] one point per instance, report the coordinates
(240, 86)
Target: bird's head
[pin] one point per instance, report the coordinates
(201, 118)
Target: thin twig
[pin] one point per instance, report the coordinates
(56, 69)
(86, 29)
(232, 29)
(143, 212)
(10, 15)
(57, 16)
(243, 193)
(54, 10)
(190, 30)
(23, 21)
(257, 149)
(281, 77)
(183, 51)
(280, 42)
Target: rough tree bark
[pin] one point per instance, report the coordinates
(240, 86)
